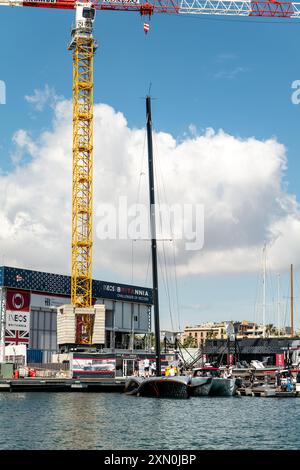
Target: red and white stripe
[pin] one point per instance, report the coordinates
(266, 8)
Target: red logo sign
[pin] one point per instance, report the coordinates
(18, 301)
(280, 360)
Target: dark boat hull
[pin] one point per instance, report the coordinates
(158, 387)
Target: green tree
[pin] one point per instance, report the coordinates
(189, 342)
(211, 334)
(270, 330)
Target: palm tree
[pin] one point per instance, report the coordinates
(189, 342)
(270, 330)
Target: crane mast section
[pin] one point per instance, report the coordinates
(83, 47)
(82, 188)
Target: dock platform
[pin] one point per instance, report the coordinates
(62, 385)
(265, 392)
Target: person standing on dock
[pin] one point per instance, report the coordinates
(146, 367)
(172, 371)
(180, 367)
(289, 384)
(226, 373)
(278, 380)
(153, 368)
(136, 367)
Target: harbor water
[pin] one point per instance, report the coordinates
(116, 421)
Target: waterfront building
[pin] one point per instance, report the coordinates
(278, 351)
(29, 302)
(200, 333)
(211, 330)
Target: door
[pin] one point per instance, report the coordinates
(128, 367)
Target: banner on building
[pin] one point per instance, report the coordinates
(93, 366)
(17, 321)
(17, 317)
(16, 354)
(48, 301)
(230, 359)
(280, 360)
(17, 301)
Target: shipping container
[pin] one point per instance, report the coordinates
(34, 356)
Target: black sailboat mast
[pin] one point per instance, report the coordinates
(153, 235)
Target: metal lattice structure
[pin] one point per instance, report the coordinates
(265, 8)
(83, 47)
(82, 188)
(273, 9)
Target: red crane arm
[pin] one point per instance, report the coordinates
(266, 8)
(142, 6)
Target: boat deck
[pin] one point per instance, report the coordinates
(265, 392)
(63, 385)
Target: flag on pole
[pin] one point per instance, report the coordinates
(146, 27)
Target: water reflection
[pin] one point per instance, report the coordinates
(115, 421)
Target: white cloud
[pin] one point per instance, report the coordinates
(229, 74)
(226, 56)
(239, 181)
(43, 97)
(23, 144)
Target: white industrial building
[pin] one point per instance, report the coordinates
(29, 301)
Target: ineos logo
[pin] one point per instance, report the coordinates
(18, 301)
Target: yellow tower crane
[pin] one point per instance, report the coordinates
(83, 47)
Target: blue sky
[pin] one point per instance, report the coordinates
(206, 71)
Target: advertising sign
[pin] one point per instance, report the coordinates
(17, 321)
(280, 360)
(17, 301)
(93, 366)
(17, 317)
(48, 301)
(122, 292)
(230, 359)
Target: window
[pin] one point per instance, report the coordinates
(88, 13)
(43, 329)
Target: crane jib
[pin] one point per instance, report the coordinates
(269, 8)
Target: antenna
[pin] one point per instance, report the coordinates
(278, 304)
(292, 302)
(264, 289)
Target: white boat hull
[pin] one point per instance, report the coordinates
(200, 386)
